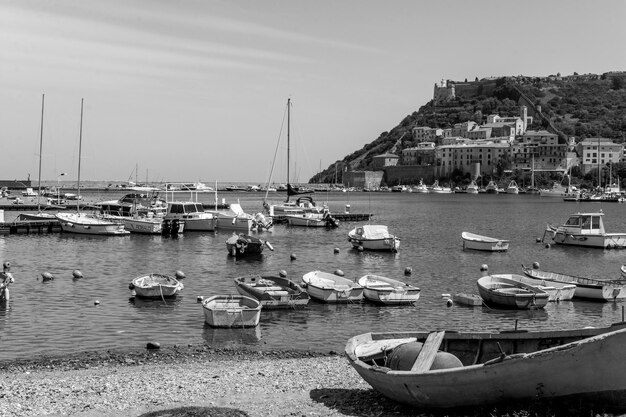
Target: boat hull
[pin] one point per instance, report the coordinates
(156, 286)
(272, 291)
(601, 241)
(147, 226)
(585, 368)
(500, 294)
(330, 288)
(88, 225)
(484, 243)
(242, 245)
(226, 222)
(231, 311)
(388, 291)
(563, 292)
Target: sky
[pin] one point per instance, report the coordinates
(196, 90)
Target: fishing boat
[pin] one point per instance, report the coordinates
(231, 311)
(389, 291)
(457, 369)
(500, 293)
(513, 188)
(587, 230)
(156, 286)
(373, 237)
(588, 288)
(324, 219)
(192, 214)
(438, 189)
(83, 223)
(555, 293)
(331, 288)
(478, 242)
(472, 188)
(242, 245)
(272, 291)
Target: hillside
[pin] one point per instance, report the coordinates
(578, 106)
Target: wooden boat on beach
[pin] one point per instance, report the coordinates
(242, 244)
(587, 230)
(383, 290)
(503, 293)
(478, 242)
(561, 293)
(456, 369)
(588, 288)
(156, 286)
(272, 291)
(231, 311)
(331, 288)
(373, 237)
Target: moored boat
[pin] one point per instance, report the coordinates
(87, 224)
(492, 188)
(513, 188)
(420, 188)
(587, 230)
(156, 286)
(472, 188)
(373, 237)
(331, 288)
(384, 290)
(192, 214)
(324, 219)
(588, 288)
(242, 244)
(272, 291)
(231, 311)
(501, 293)
(485, 243)
(481, 368)
(555, 293)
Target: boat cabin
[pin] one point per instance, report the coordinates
(178, 208)
(584, 223)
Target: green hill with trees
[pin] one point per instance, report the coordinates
(579, 106)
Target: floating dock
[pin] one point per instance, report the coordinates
(342, 217)
(30, 227)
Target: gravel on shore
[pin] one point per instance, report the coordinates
(194, 381)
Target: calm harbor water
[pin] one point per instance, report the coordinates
(61, 316)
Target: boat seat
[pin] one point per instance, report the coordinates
(270, 288)
(277, 293)
(426, 357)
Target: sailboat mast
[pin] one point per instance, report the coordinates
(288, 142)
(80, 146)
(40, 150)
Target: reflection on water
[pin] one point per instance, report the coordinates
(62, 315)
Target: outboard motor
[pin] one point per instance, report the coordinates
(262, 221)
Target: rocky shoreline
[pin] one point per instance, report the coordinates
(204, 381)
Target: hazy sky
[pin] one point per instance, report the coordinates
(190, 90)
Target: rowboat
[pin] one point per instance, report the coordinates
(312, 219)
(561, 293)
(478, 242)
(373, 237)
(587, 230)
(480, 368)
(156, 286)
(331, 288)
(272, 291)
(242, 244)
(589, 288)
(501, 293)
(383, 290)
(231, 311)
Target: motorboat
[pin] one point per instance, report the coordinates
(500, 293)
(373, 237)
(231, 311)
(587, 288)
(242, 245)
(585, 229)
(472, 188)
(272, 291)
(420, 188)
(485, 243)
(90, 224)
(388, 291)
(446, 369)
(492, 188)
(303, 204)
(332, 288)
(513, 188)
(192, 214)
(156, 285)
(324, 219)
(438, 189)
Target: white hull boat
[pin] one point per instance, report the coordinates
(231, 311)
(563, 292)
(331, 288)
(87, 224)
(312, 220)
(587, 288)
(383, 290)
(192, 214)
(156, 286)
(478, 242)
(586, 230)
(420, 188)
(472, 188)
(373, 237)
(513, 188)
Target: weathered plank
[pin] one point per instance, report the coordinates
(427, 355)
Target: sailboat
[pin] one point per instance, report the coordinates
(302, 204)
(83, 223)
(532, 189)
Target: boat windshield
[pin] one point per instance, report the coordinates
(573, 221)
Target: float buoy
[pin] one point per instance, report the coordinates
(336, 250)
(47, 276)
(180, 274)
(538, 240)
(199, 299)
(282, 273)
(153, 345)
(77, 274)
(131, 286)
(361, 248)
(449, 303)
(292, 257)
(338, 272)
(535, 265)
(547, 246)
(97, 302)
(408, 270)
(484, 267)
